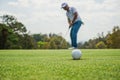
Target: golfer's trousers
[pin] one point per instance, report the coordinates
(73, 33)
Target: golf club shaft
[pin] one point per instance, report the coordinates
(64, 36)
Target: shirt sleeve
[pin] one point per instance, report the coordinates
(73, 10)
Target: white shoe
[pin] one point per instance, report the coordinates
(72, 48)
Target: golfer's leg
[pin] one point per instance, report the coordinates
(71, 36)
(74, 38)
(76, 27)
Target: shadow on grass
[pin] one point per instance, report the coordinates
(78, 59)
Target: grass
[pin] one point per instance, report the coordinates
(96, 64)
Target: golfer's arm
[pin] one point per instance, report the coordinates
(75, 17)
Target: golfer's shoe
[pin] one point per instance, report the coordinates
(72, 48)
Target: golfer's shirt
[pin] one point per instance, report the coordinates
(70, 14)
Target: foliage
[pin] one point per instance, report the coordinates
(3, 35)
(42, 45)
(14, 25)
(13, 34)
(51, 41)
(111, 40)
(101, 45)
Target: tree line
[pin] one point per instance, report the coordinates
(13, 35)
(109, 41)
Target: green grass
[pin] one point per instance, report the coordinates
(58, 65)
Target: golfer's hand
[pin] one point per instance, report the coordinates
(70, 25)
(82, 23)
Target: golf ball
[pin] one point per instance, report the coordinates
(76, 54)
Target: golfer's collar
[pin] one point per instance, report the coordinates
(69, 9)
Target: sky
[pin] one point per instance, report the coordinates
(46, 16)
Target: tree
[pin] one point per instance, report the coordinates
(57, 41)
(3, 35)
(42, 45)
(52, 44)
(113, 39)
(101, 45)
(28, 42)
(109, 40)
(14, 25)
(40, 37)
(51, 41)
(13, 34)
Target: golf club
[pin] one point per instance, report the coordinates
(64, 36)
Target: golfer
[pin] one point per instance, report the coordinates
(74, 22)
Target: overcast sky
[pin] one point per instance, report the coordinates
(46, 16)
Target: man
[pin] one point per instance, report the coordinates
(74, 22)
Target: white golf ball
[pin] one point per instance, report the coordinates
(76, 54)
